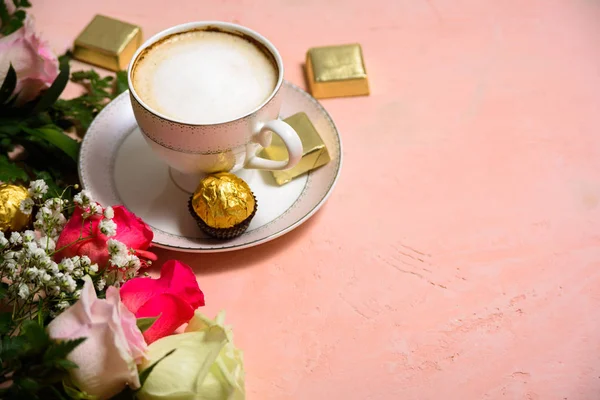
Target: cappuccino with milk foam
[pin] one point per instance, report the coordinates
(204, 77)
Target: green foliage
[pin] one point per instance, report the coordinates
(12, 22)
(80, 111)
(146, 373)
(145, 323)
(33, 365)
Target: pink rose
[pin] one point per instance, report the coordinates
(35, 64)
(174, 297)
(114, 344)
(131, 231)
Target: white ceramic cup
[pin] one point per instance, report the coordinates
(196, 149)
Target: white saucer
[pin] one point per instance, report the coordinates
(118, 167)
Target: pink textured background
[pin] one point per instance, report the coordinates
(458, 257)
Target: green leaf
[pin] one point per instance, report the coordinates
(9, 84)
(146, 373)
(36, 335)
(52, 135)
(5, 322)
(28, 384)
(60, 350)
(121, 83)
(11, 172)
(66, 57)
(144, 323)
(3, 285)
(74, 393)
(66, 364)
(49, 97)
(13, 347)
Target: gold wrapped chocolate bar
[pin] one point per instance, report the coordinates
(336, 71)
(108, 43)
(11, 217)
(314, 153)
(223, 205)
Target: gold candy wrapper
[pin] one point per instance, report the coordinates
(108, 43)
(314, 153)
(223, 200)
(336, 71)
(11, 217)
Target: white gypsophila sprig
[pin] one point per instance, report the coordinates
(26, 206)
(83, 199)
(108, 227)
(116, 248)
(3, 241)
(109, 212)
(93, 210)
(15, 238)
(47, 243)
(37, 189)
(101, 284)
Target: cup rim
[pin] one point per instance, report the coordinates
(226, 26)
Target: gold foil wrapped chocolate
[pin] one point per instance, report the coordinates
(11, 217)
(336, 71)
(108, 43)
(223, 200)
(314, 152)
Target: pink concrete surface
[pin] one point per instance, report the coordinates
(458, 258)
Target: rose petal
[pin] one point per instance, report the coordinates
(133, 335)
(175, 278)
(173, 312)
(95, 247)
(131, 230)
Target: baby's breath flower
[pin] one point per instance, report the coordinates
(15, 238)
(28, 236)
(82, 199)
(53, 268)
(100, 284)
(109, 213)
(68, 283)
(55, 204)
(3, 241)
(77, 293)
(95, 209)
(63, 305)
(47, 243)
(66, 265)
(93, 268)
(108, 227)
(116, 248)
(85, 261)
(133, 261)
(45, 277)
(23, 291)
(37, 189)
(38, 254)
(26, 206)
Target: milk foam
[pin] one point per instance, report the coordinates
(204, 77)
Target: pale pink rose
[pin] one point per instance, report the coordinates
(107, 359)
(35, 64)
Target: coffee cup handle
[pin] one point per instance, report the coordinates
(290, 139)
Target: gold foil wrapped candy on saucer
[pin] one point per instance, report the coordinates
(314, 152)
(11, 217)
(223, 205)
(336, 71)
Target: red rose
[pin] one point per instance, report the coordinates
(173, 298)
(83, 237)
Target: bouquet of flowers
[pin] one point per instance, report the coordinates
(79, 316)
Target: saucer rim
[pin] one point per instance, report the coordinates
(272, 236)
